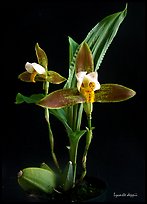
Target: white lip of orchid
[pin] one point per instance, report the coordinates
(87, 78)
(30, 67)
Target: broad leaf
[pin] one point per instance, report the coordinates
(113, 93)
(35, 179)
(61, 98)
(31, 99)
(41, 56)
(84, 60)
(102, 35)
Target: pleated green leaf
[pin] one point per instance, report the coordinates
(73, 49)
(35, 179)
(102, 35)
(113, 93)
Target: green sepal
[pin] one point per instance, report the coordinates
(84, 59)
(41, 56)
(34, 180)
(113, 93)
(54, 77)
(34, 98)
(25, 76)
(67, 177)
(61, 98)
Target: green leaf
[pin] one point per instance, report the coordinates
(54, 77)
(84, 60)
(60, 114)
(35, 179)
(113, 93)
(73, 50)
(102, 35)
(41, 56)
(61, 98)
(31, 99)
(45, 166)
(67, 177)
(76, 135)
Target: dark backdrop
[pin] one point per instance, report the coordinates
(117, 150)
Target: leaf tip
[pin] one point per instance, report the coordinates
(20, 173)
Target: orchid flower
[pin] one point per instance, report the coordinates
(39, 71)
(88, 88)
(87, 84)
(34, 69)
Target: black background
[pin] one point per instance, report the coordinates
(117, 152)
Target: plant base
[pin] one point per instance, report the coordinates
(90, 190)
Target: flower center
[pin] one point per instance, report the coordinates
(32, 77)
(87, 90)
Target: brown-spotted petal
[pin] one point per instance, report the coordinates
(84, 59)
(54, 77)
(41, 56)
(61, 98)
(25, 76)
(113, 93)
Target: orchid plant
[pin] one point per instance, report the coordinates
(79, 94)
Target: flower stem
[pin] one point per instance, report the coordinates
(88, 142)
(79, 119)
(51, 137)
(73, 158)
